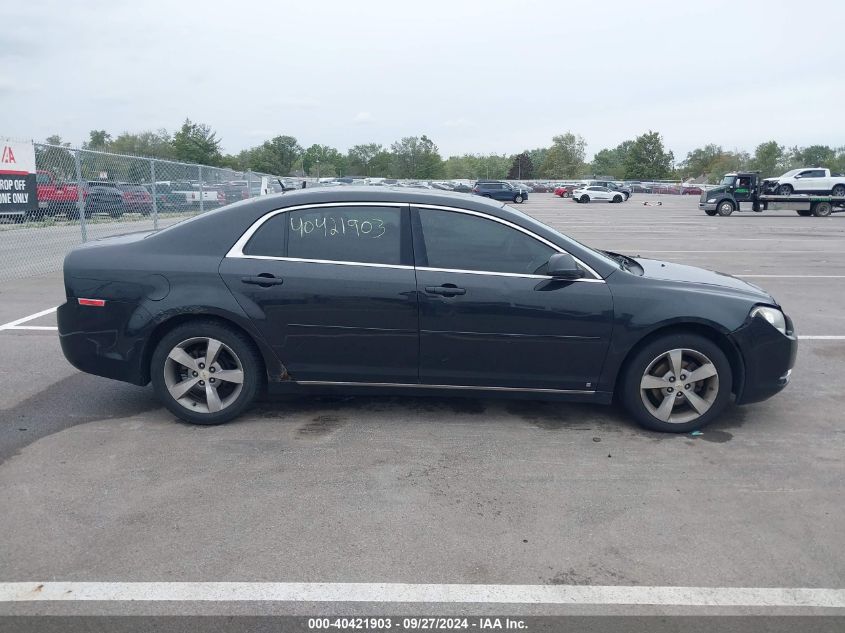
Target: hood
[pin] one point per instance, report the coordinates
(712, 192)
(655, 269)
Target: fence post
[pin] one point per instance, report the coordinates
(202, 202)
(248, 185)
(80, 196)
(155, 200)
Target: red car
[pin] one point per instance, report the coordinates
(691, 190)
(565, 191)
(136, 198)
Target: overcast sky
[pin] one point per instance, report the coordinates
(484, 76)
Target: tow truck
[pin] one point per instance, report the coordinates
(747, 188)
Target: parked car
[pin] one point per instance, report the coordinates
(691, 190)
(813, 180)
(462, 188)
(101, 196)
(638, 187)
(136, 198)
(664, 188)
(595, 193)
(321, 290)
(500, 190)
(55, 197)
(624, 190)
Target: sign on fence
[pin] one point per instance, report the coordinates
(18, 192)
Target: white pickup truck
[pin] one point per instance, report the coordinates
(809, 180)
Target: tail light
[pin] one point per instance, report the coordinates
(475, 189)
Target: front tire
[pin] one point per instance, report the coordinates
(710, 212)
(617, 199)
(686, 364)
(585, 199)
(518, 198)
(205, 372)
(785, 190)
(725, 208)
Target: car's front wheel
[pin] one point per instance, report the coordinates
(785, 190)
(205, 372)
(518, 198)
(677, 383)
(585, 198)
(617, 199)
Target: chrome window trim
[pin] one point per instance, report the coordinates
(430, 386)
(237, 249)
(543, 240)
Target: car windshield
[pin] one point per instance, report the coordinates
(728, 181)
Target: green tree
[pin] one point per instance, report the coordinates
(197, 143)
(565, 158)
(360, 157)
(611, 162)
(97, 140)
(770, 159)
(417, 157)
(327, 160)
(276, 156)
(521, 167)
(154, 144)
(814, 156)
(647, 159)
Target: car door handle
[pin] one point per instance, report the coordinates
(446, 290)
(264, 279)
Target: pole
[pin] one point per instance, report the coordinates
(202, 202)
(155, 201)
(80, 196)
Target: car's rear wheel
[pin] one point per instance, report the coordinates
(677, 383)
(518, 198)
(585, 198)
(822, 209)
(206, 372)
(838, 191)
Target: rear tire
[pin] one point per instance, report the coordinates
(518, 198)
(725, 208)
(822, 209)
(657, 373)
(838, 191)
(186, 384)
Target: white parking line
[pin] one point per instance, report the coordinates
(13, 325)
(406, 592)
(821, 338)
(791, 276)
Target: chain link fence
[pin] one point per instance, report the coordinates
(85, 195)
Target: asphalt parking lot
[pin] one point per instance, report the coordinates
(101, 484)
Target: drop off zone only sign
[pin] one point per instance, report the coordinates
(18, 192)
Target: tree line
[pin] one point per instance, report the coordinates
(418, 157)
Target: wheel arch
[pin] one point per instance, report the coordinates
(709, 331)
(273, 368)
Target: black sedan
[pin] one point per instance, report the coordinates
(362, 290)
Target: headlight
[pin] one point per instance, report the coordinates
(773, 316)
(711, 200)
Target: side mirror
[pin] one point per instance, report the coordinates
(563, 266)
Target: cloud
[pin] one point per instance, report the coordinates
(459, 122)
(363, 117)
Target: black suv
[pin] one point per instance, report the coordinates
(500, 190)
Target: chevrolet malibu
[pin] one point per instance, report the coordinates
(413, 292)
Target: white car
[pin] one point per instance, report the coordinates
(596, 193)
(810, 180)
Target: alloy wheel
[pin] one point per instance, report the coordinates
(203, 374)
(679, 386)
